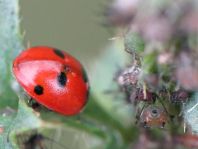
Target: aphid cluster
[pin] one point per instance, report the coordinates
(151, 103)
(161, 37)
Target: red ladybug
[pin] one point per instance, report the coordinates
(53, 78)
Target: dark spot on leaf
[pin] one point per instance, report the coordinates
(34, 141)
(62, 79)
(38, 90)
(59, 53)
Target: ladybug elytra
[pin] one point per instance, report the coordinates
(53, 78)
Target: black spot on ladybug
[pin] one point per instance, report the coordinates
(62, 79)
(85, 78)
(38, 90)
(59, 53)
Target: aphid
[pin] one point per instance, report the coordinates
(179, 96)
(127, 81)
(129, 76)
(145, 96)
(153, 116)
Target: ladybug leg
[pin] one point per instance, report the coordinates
(36, 106)
(32, 103)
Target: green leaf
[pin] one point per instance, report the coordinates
(191, 113)
(25, 120)
(149, 63)
(103, 72)
(134, 43)
(5, 121)
(120, 113)
(93, 121)
(11, 45)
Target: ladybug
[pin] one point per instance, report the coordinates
(53, 78)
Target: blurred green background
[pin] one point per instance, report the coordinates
(72, 25)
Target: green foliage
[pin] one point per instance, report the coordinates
(101, 80)
(11, 45)
(5, 122)
(191, 114)
(149, 63)
(134, 43)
